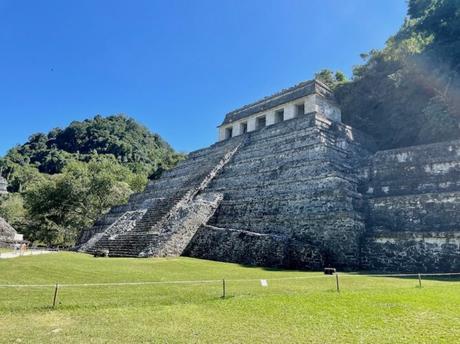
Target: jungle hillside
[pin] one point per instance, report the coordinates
(408, 93)
(60, 182)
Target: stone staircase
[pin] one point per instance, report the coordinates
(124, 224)
(176, 230)
(171, 183)
(176, 192)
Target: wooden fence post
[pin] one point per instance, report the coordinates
(223, 289)
(55, 295)
(337, 282)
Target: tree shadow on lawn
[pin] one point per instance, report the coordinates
(410, 276)
(277, 269)
(364, 273)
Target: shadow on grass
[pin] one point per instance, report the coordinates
(275, 269)
(364, 273)
(412, 276)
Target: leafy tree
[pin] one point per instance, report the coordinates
(19, 176)
(409, 92)
(59, 207)
(12, 210)
(331, 79)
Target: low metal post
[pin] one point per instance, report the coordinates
(419, 280)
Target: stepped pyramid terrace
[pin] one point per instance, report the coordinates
(289, 185)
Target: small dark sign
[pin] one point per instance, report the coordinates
(329, 271)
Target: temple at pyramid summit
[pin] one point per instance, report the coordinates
(287, 184)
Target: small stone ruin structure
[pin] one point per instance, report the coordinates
(8, 235)
(289, 185)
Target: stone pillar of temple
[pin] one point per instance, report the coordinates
(221, 134)
(289, 112)
(236, 129)
(270, 117)
(251, 124)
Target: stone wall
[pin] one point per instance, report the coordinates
(250, 248)
(413, 221)
(414, 252)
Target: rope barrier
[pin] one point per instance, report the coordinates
(216, 281)
(112, 284)
(404, 275)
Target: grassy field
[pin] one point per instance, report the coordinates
(296, 307)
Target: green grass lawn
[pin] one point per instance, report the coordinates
(305, 309)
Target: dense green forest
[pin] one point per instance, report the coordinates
(62, 181)
(409, 92)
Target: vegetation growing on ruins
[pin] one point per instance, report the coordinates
(367, 309)
(408, 93)
(61, 182)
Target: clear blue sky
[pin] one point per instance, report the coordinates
(175, 66)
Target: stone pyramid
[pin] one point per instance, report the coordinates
(299, 190)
